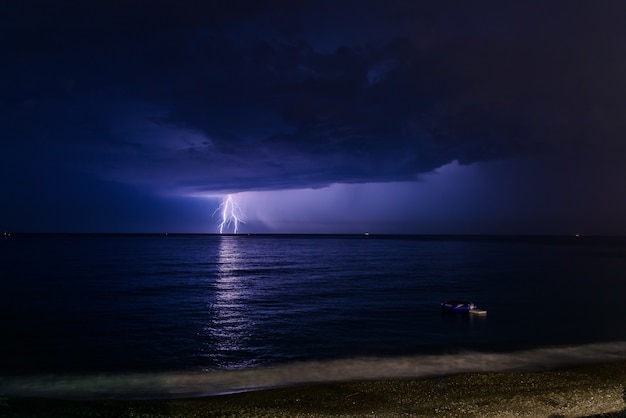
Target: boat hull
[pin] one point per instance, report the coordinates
(458, 306)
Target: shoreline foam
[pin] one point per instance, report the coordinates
(583, 391)
(186, 384)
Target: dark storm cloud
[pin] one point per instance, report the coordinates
(212, 96)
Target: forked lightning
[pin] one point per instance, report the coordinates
(231, 214)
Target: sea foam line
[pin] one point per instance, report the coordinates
(186, 384)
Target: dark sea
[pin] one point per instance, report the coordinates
(144, 316)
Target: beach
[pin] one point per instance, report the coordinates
(585, 391)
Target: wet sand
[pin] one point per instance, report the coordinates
(587, 391)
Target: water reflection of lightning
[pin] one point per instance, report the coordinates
(231, 214)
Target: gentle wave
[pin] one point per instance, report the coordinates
(186, 384)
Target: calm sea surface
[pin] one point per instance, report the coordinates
(181, 315)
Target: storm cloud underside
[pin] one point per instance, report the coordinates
(189, 99)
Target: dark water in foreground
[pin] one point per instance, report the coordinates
(115, 316)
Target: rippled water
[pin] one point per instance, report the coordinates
(182, 305)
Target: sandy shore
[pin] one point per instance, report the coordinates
(589, 391)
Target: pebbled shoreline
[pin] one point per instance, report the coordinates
(586, 391)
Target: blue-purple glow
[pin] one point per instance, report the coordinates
(468, 199)
(231, 214)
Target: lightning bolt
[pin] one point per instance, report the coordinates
(231, 214)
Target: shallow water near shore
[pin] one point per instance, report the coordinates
(591, 391)
(184, 315)
(185, 385)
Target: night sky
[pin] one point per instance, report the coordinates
(392, 116)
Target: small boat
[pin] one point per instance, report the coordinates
(458, 306)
